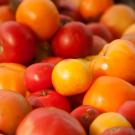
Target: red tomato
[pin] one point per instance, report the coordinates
(17, 43)
(38, 76)
(48, 98)
(73, 40)
(49, 121)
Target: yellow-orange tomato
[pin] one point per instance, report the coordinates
(94, 8)
(71, 77)
(6, 14)
(118, 18)
(116, 59)
(13, 108)
(41, 16)
(109, 93)
(106, 121)
(12, 77)
(130, 29)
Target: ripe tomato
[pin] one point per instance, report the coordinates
(73, 40)
(13, 108)
(49, 121)
(17, 43)
(41, 16)
(38, 76)
(12, 77)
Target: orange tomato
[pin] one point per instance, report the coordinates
(116, 59)
(13, 108)
(41, 16)
(118, 18)
(94, 8)
(6, 13)
(109, 93)
(130, 29)
(12, 77)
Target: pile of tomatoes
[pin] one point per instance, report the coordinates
(67, 67)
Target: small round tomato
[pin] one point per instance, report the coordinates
(73, 40)
(17, 43)
(41, 16)
(38, 76)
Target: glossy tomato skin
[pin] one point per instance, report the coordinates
(41, 16)
(17, 43)
(48, 98)
(73, 40)
(49, 121)
(38, 76)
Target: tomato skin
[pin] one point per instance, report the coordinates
(38, 76)
(12, 77)
(41, 16)
(72, 41)
(17, 43)
(49, 121)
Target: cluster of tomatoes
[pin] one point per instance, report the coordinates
(67, 67)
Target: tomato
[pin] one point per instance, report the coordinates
(106, 121)
(41, 16)
(49, 121)
(13, 108)
(17, 43)
(12, 77)
(73, 40)
(38, 76)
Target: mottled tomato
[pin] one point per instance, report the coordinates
(49, 121)
(13, 108)
(17, 43)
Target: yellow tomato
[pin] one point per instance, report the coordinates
(71, 77)
(107, 120)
